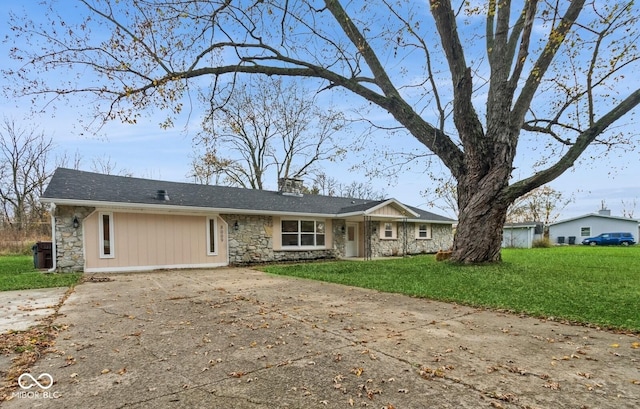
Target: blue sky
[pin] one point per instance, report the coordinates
(146, 150)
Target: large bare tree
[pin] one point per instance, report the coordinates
(265, 124)
(542, 204)
(471, 81)
(24, 173)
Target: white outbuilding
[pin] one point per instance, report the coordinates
(521, 235)
(574, 230)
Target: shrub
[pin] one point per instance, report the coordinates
(541, 243)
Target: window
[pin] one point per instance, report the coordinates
(212, 228)
(585, 231)
(423, 231)
(303, 233)
(105, 231)
(388, 230)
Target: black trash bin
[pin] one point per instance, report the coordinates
(572, 239)
(560, 239)
(42, 254)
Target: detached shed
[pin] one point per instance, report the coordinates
(521, 235)
(578, 228)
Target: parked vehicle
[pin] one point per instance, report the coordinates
(610, 239)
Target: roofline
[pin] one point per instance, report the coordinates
(432, 221)
(388, 202)
(596, 215)
(523, 224)
(199, 209)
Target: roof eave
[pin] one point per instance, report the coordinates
(175, 208)
(197, 209)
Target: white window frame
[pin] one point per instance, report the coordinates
(101, 235)
(383, 230)
(299, 233)
(426, 230)
(213, 234)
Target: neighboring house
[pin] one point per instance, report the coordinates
(574, 230)
(521, 235)
(105, 223)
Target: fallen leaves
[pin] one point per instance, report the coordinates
(357, 371)
(431, 373)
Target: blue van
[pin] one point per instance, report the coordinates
(610, 239)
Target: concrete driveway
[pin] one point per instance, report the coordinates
(238, 338)
(22, 309)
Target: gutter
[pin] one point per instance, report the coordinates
(163, 208)
(54, 257)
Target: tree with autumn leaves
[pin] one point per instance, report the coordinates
(473, 82)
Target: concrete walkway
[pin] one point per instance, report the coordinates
(238, 338)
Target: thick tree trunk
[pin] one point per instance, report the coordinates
(479, 234)
(483, 211)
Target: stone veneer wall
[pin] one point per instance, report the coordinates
(339, 237)
(69, 252)
(441, 239)
(253, 242)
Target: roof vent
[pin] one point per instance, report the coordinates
(290, 186)
(604, 212)
(162, 195)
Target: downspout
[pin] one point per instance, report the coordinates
(54, 257)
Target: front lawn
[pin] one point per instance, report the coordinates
(593, 285)
(17, 273)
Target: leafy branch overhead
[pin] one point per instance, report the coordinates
(474, 83)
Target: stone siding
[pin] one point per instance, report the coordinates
(69, 251)
(339, 237)
(441, 239)
(252, 242)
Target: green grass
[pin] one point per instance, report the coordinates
(17, 273)
(590, 285)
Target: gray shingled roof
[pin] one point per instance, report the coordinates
(70, 186)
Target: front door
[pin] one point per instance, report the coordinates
(351, 247)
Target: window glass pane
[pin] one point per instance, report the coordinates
(289, 226)
(106, 243)
(585, 231)
(308, 226)
(388, 230)
(320, 240)
(289, 239)
(351, 233)
(212, 236)
(320, 227)
(307, 239)
(422, 234)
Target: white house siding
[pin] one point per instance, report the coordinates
(597, 224)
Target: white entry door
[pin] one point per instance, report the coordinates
(351, 247)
